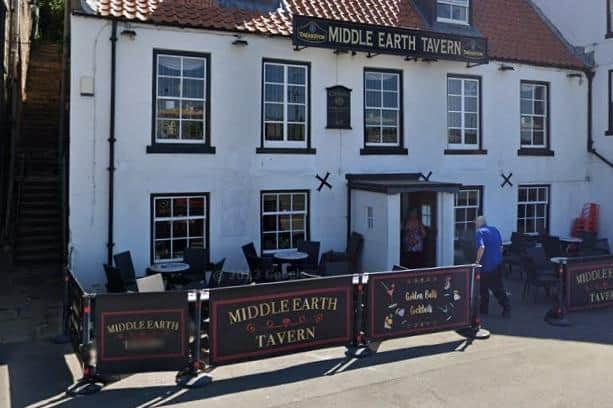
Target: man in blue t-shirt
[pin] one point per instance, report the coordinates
(489, 256)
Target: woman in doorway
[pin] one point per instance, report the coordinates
(413, 237)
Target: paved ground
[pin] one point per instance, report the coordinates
(526, 363)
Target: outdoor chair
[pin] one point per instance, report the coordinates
(552, 247)
(216, 271)
(592, 246)
(152, 283)
(123, 261)
(196, 258)
(602, 246)
(311, 265)
(516, 250)
(540, 273)
(351, 255)
(336, 268)
(114, 282)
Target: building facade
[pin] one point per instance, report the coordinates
(596, 40)
(224, 130)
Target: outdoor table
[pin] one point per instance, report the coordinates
(571, 240)
(290, 257)
(169, 270)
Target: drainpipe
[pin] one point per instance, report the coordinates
(110, 244)
(590, 138)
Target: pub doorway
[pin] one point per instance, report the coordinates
(422, 205)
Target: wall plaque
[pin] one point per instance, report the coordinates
(339, 107)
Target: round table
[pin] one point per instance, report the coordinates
(571, 240)
(169, 267)
(290, 257)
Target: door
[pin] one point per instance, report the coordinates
(425, 203)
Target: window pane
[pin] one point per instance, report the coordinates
(539, 107)
(470, 104)
(443, 10)
(162, 229)
(540, 210)
(274, 73)
(297, 222)
(168, 108)
(178, 247)
(179, 207)
(192, 130)
(193, 110)
(162, 250)
(373, 99)
(274, 131)
(270, 203)
(470, 136)
(459, 215)
(455, 136)
(296, 75)
(530, 211)
(373, 80)
(296, 113)
(162, 207)
(169, 87)
(168, 129)
(540, 226)
(471, 214)
(273, 93)
(273, 112)
(471, 88)
(296, 94)
(390, 99)
(454, 103)
(454, 119)
(196, 243)
(196, 227)
(269, 223)
(285, 201)
(454, 86)
(285, 240)
(193, 67)
(390, 135)
(295, 132)
(539, 92)
(526, 122)
(373, 135)
(539, 123)
(459, 13)
(532, 194)
(193, 88)
(299, 202)
(526, 137)
(529, 225)
(526, 106)
(539, 138)
(373, 117)
(269, 242)
(169, 65)
(542, 194)
(390, 117)
(522, 194)
(196, 206)
(179, 229)
(473, 198)
(526, 91)
(390, 82)
(470, 120)
(297, 236)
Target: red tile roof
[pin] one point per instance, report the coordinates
(515, 30)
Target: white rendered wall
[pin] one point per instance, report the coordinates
(585, 25)
(235, 175)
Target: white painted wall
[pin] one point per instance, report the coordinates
(585, 25)
(236, 174)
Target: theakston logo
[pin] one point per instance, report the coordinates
(313, 33)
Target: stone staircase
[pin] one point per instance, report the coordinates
(38, 222)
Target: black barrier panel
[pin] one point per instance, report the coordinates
(414, 302)
(141, 332)
(256, 322)
(589, 284)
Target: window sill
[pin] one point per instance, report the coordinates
(181, 148)
(458, 152)
(535, 152)
(609, 132)
(285, 150)
(395, 150)
(608, 35)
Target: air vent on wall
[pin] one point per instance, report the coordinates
(255, 5)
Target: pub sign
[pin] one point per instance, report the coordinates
(141, 332)
(341, 35)
(255, 322)
(339, 107)
(589, 285)
(414, 302)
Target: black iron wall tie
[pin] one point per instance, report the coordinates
(507, 180)
(323, 182)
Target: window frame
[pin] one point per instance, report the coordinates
(469, 8)
(307, 227)
(479, 208)
(152, 219)
(609, 33)
(384, 149)
(285, 147)
(178, 146)
(540, 150)
(547, 204)
(462, 148)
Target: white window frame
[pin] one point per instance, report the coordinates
(533, 115)
(534, 203)
(463, 112)
(453, 4)
(466, 223)
(277, 213)
(180, 98)
(285, 143)
(381, 108)
(173, 218)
